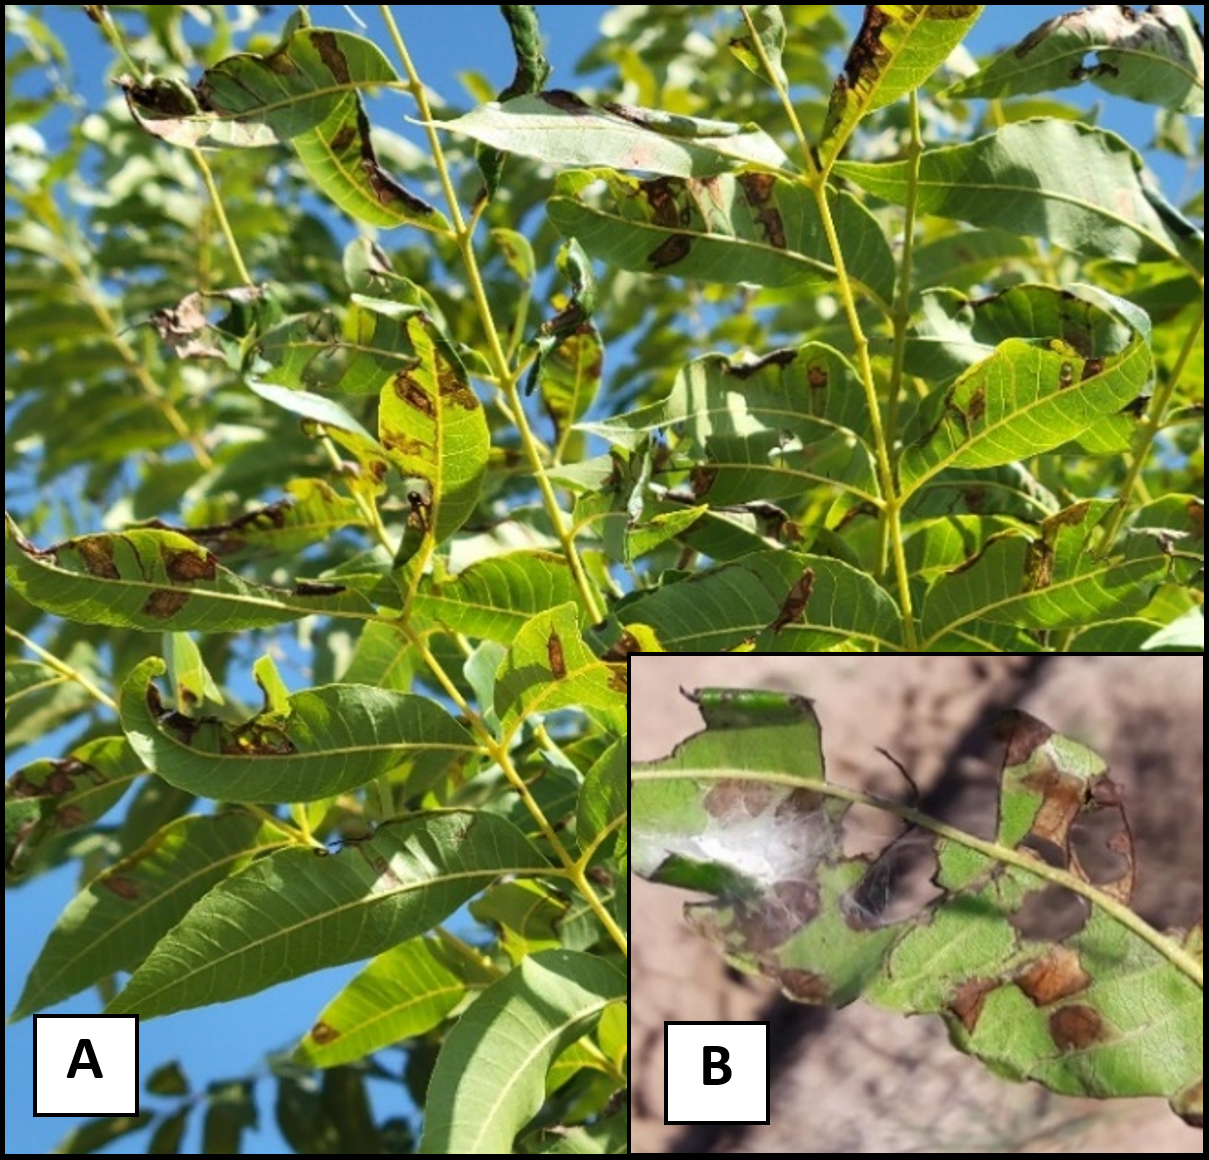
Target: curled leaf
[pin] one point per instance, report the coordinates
(1097, 1003)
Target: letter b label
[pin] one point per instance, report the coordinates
(713, 1059)
(716, 1073)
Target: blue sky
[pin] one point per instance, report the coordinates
(231, 1040)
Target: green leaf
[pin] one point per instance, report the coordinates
(307, 91)
(1030, 395)
(495, 598)
(155, 581)
(37, 699)
(604, 798)
(297, 911)
(1110, 1008)
(1009, 489)
(168, 1134)
(314, 353)
(339, 154)
(771, 427)
(769, 26)
(767, 598)
(406, 991)
(47, 798)
(168, 1080)
(1187, 634)
(115, 921)
(1075, 186)
(1061, 579)
(490, 1077)
(897, 48)
(752, 226)
(432, 426)
(230, 1111)
(310, 406)
(549, 667)
(1157, 56)
(334, 738)
(95, 1134)
(192, 683)
(559, 128)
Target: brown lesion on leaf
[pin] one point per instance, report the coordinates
(328, 48)
(794, 607)
(977, 406)
(619, 680)
(757, 188)
(124, 888)
(71, 817)
(745, 370)
(317, 588)
(324, 1033)
(384, 877)
(701, 479)
(231, 536)
(1023, 733)
(663, 196)
(622, 647)
(1196, 515)
(164, 603)
(385, 188)
(765, 923)
(868, 55)
(256, 739)
(567, 102)
(60, 779)
(803, 986)
(1058, 974)
(968, 1000)
(187, 567)
(97, 555)
(671, 251)
(413, 393)
(817, 376)
(453, 389)
(1077, 1027)
(1039, 566)
(554, 652)
(1189, 1104)
(345, 136)
(730, 797)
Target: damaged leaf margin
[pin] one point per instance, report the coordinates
(307, 92)
(1110, 1008)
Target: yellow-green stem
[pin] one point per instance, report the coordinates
(782, 95)
(64, 670)
(572, 869)
(902, 296)
(369, 512)
(506, 378)
(224, 225)
(891, 507)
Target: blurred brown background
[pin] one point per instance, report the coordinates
(862, 1079)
